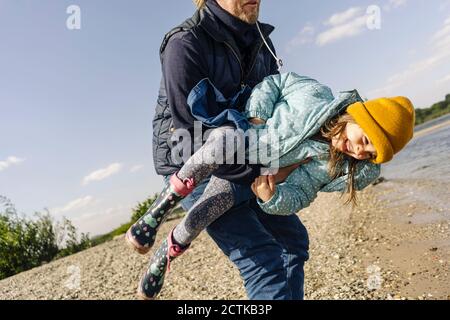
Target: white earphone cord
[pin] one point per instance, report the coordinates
(279, 61)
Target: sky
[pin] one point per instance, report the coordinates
(78, 89)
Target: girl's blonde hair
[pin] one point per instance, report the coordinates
(332, 128)
(200, 3)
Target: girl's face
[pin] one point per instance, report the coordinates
(355, 143)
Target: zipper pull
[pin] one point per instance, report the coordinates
(280, 64)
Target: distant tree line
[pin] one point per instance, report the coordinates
(435, 111)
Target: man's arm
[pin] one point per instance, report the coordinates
(183, 66)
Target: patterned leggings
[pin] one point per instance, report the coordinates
(218, 196)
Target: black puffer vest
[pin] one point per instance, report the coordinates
(226, 71)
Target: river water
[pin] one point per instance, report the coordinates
(420, 174)
(425, 157)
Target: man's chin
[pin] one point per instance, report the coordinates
(249, 18)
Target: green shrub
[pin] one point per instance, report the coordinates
(28, 243)
(68, 239)
(142, 208)
(24, 243)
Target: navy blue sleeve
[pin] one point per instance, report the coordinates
(183, 66)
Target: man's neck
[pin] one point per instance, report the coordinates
(245, 34)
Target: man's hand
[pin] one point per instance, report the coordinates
(256, 121)
(264, 187)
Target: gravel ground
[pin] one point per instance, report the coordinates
(374, 251)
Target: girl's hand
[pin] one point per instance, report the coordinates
(264, 187)
(256, 121)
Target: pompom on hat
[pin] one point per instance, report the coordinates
(388, 122)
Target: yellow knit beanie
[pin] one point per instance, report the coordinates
(388, 122)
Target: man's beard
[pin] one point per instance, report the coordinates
(250, 17)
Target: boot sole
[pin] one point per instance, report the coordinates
(141, 295)
(132, 243)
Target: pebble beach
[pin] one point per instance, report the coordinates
(394, 245)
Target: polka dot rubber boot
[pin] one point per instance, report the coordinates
(141, 235)
(152, 281)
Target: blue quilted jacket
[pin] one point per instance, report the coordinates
(294, 108)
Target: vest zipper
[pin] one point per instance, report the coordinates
(256, 56)
(239, 61)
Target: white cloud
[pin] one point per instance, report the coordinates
(442, 37)
(348, 23)
(89, 217)
(102, 174)
(102, 221)
(306, 35)
(74, 205)
(413, 71)
(345, 24)
(444, 6)
(343, 17)
(136, 168)
(394, 4)
(440, 54)
(10, 161)
(443, 80)
(349, 29)
(103, 212)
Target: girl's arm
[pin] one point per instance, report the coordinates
(283, 199)
(283, 87)
(366, 173)
(263, 98)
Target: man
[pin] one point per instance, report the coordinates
(222, 42)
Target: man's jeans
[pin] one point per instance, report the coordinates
(268, 250)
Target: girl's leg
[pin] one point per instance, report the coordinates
(217, 150)
(201, 165)
(216, 200)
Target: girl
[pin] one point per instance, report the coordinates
(341, 142)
